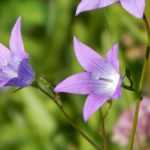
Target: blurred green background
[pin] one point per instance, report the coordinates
(31, 121)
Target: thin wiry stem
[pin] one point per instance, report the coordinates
(134, 126)
(104, 131)
(56, 100)
(147, 28)
(108, 109)
(136, 115)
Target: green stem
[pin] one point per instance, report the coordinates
(136, 114)
(108, 109)
(56, 100)
(147, 28)
(148, 36)
(134, 126)
(104, 131)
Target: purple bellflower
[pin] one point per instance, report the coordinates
(14, 67)
(134, 7)
(101, 80)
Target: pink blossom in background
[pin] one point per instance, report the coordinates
(123, 126)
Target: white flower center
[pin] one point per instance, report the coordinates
(106, 79)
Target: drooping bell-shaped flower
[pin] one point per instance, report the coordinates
(101, 80)
(134, 7)
(15, 69)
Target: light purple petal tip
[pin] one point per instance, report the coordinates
(112, 57)
(4, 55)
(87, 5)
(87, 57)
(92, 104)
(16, 42)
(134, 7)
(3, 82)
(76, 84)
(117, 93)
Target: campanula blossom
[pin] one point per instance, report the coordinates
(122, 129)
(101, 80)
(15, 69)
(134, 7)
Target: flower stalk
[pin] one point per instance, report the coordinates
(57, 101)
(136, 114)
(134, 125)
(103, 129)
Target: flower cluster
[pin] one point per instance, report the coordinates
(123, 127)
(101, 80)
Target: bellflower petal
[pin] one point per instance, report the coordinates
(87, 57)
(15, 69)
(87, 5)
(112, 56)
(134, 7)
(4, 55)
(16, 42)
(117, 93)
(100, 82)
(79, 83)
(92, 104)
(25, 75)
(3, 82)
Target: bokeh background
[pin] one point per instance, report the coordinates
(31, 121)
